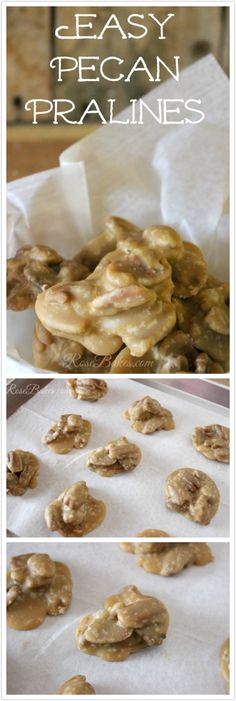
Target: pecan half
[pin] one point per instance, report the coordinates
(212, 441)
(128, 622)
(70, 431)
(193, 494)
(117, 456)
(89, 390)
(147, 415)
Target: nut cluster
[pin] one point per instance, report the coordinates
(55, 353)
(70, 431)
(87, 389)
(176, 353)
(75, 512)
(212, 441)
(22, 471)
(117, 456)
(35, 268)
(76, 686)
(167, 559)
(37, 586)
(114, 304)
(147, 415)
(128, 622)
(192, 493)
(147, 305)
(225, 661)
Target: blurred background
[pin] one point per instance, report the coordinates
(31, 43)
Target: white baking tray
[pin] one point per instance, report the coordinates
(135, 500)
(188, 661)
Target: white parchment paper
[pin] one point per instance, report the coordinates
(147, 173)
(135, 500)
(188, 661)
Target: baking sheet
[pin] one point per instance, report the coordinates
(135, 500)
(170, 174)
(187, 662)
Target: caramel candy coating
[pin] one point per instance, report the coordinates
(126, 363)
(225, 661)
(103, 243)
(212, 441)
(128, 622)
(62, 355)
(116, 457)
(148, 306)
(164, 240)
(145, 547)
(22, 471)
(76, 686)
(37, 586)
(34, 268)
(54, 353)
(193, 494)
(173, 559)
(189, 271)
(75, 512)
(89, 389)
(70, 431)
(146, 415)
(205, 318)
(118, 303)
(167, 559)
(176, 353)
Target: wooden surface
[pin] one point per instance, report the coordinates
(23, 159)
(30, 150)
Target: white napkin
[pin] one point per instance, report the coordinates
(147, 173)
(177, 175)
(135, 500)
